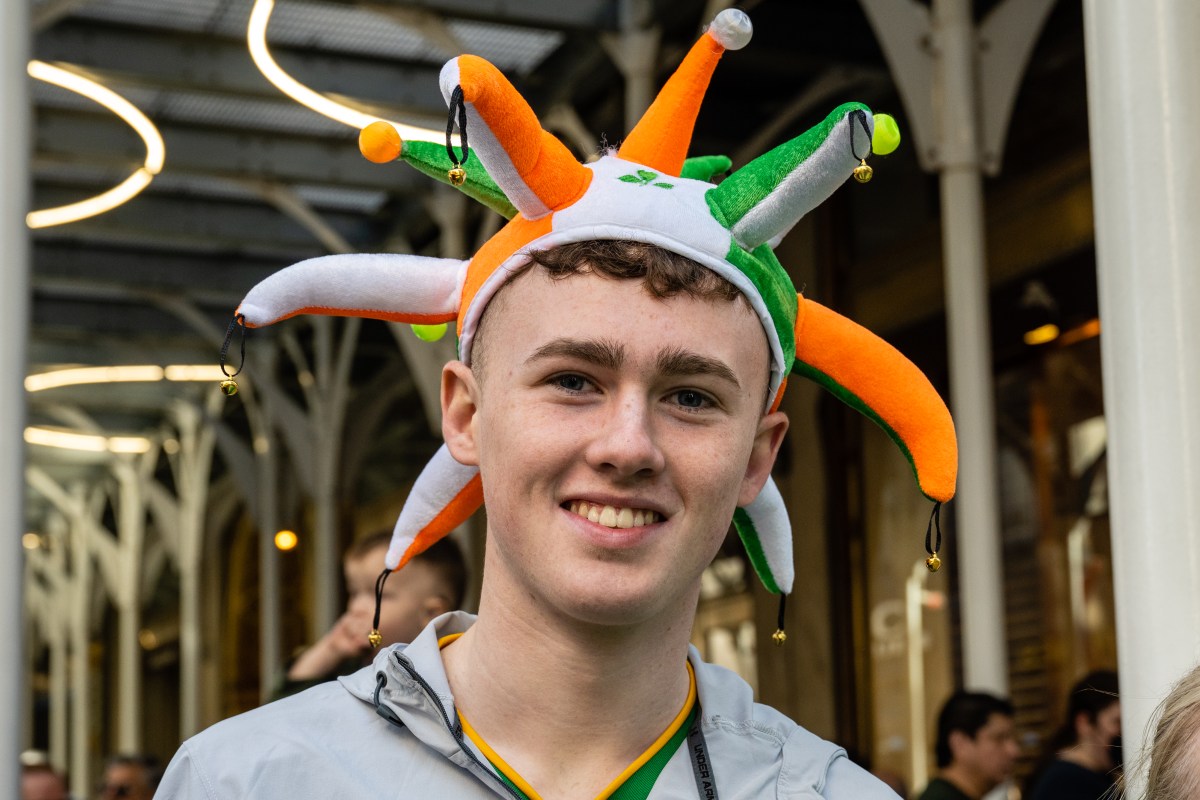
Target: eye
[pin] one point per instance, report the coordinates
(571, 382)
(690, 398)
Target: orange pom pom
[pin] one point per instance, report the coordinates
(379, 142)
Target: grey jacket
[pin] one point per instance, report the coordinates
(390, 731)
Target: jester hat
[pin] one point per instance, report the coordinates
(647, 191)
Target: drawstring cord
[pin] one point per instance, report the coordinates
(458, 106)
(229, 385)
(375, 637)
(932, 546)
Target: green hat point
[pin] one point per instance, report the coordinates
(887, 135)
(429, 333)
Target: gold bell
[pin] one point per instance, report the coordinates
(933, 563)
(779, 637)
(375, 638)
(457, 175)
(229, 387)
(863, 172)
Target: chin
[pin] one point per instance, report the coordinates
(611, 604)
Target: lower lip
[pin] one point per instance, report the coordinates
(608, 538)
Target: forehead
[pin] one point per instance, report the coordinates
(365, 565)
(534, 308)
(130, 773)
(997, 725)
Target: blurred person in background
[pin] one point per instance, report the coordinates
(1083, 759)
(129, 777)
(431, 585)
(976, 747)
(42, 782)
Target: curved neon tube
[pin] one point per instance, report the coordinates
(133, 373)
(91, 443)
(141, 124)
(256, 39)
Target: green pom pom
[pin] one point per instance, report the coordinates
(429, 333)
(887, 135)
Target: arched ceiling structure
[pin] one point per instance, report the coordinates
(137, 284)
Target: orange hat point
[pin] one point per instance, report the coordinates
(379, 142)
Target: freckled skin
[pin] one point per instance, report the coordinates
(688, 443)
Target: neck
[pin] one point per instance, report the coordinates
(567, 704)
(1087, 755)
(967, 781)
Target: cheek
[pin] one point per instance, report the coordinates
(715, 464)
(398, 607)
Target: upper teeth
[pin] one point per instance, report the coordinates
(612, 516)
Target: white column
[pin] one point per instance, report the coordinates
(1144, 109)
(80, 591)
(333, 353)
(127, 596)
(191, 472)
(635, 52)
(977, 517)
(58, 699)
(14, 298)
(266, 484)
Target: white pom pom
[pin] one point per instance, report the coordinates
(731, 29)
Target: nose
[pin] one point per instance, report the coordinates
(361, 602)
(626, 444)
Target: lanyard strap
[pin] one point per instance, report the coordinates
(706, 781)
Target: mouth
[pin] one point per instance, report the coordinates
(613, 516)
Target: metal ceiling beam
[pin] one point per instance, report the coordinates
(48, 12)
(197, 224)
(179, 61)
(539, 14)
(92, 348)
(121, 319)
(111, 290)
(94, 269)
(222, 153)
(288, 202)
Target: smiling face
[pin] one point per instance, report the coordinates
(615, 434)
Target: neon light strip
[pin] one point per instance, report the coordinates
(92, 443)
(256, 38)
(141, 124)
(133, 373)
(148, 373)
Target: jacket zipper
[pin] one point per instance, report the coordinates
(455, 730)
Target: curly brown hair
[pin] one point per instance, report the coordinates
(662, 272)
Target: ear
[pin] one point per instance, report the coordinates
(434, 605)
(958, 742)
(460, 406)
(767, 440)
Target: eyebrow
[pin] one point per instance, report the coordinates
(679, 362)
(608, 354)
(601, 352)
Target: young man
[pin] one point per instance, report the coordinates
(976, 747)
(432, 584)
(624, 342)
